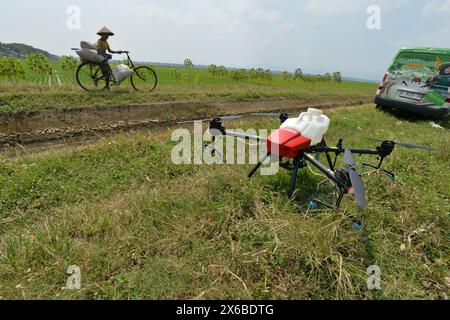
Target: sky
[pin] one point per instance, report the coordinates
(318, 36)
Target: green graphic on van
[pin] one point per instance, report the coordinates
(435, 98)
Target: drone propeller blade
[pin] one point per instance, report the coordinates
(355, 178)
(193, 121)
(224, 118)
(358, 186)
(349, 158)
(407, 145)
(266, 114)
(230, 118)
(413, 146)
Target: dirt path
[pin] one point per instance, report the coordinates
(58, 127)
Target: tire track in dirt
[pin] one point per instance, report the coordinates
(59, 127)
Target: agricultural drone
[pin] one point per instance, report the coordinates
(299, 142)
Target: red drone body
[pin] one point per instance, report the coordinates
(299, 141)
(287, 143)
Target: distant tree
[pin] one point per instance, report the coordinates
(176, 75)
(39, 64)
(327, 77)
(268, 75)
(212, 69)
(259, 73)
(12, 68)
(221, 71)
(234, 75)
(198, 80)
(189, 76)
(298, 74)
(68, 63)
(286, 76)
(252, 73)
(238, 75)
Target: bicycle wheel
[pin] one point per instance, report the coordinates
(90, 77)
(144, 79)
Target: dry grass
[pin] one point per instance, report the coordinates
(142, 228)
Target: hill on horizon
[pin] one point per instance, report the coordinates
(20, 50)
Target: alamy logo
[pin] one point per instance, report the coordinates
(374, 280)
(74, 281)
(74, 17)
(374, 20)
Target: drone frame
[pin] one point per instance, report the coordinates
(340, 177)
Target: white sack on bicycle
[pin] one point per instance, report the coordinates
(87, 45)
(121, 72)
(90, 55)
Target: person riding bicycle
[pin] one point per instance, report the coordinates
(102, 49)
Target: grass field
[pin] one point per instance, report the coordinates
(61, 91)
(141, 227)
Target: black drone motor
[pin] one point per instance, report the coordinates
(216, 124)
(386, 148)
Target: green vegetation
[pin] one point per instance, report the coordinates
(11, 69)
(142, 227)
(69, 64)
(50, 85)
(39, 98)
(39, 64)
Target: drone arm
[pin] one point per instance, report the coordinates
(258, 165)
(380, 151)
(338, 151)
(364, 151)
(245, 136)
(328, 172)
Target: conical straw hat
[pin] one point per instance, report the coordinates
(105, 30)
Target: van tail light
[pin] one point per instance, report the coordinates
(447, 100)
(381, 86)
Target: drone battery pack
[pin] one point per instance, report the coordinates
(287, 143)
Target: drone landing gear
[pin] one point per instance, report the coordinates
(330, 206)
(297, 165)
(258, 165)
(390, 174)
(316, 201)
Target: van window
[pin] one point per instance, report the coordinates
(424, 64)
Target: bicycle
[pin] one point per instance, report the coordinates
(90, 76)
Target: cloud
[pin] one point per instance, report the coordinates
(267, 15)
(241, 7)
(284, 27)
(241, 17)
(326, 7)
(160, 13)
(337, 7)
(440, 34)
(436, 7)
(438, 38)
(387, 5)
